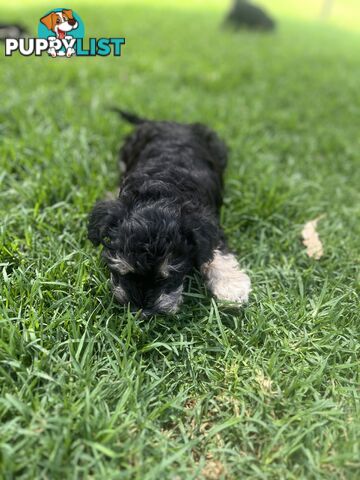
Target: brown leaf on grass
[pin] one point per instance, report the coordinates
(311, 239)
(213, 470)
(190, 404)
(265, 383)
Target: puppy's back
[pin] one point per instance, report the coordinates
(150, 136)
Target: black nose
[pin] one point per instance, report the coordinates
(72, 21)
(143, 313)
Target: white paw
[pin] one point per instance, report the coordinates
(70, 52)
(233, 290)
(225, 279)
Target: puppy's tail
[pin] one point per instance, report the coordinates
(128, 116)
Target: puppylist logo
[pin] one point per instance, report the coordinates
(61, 34)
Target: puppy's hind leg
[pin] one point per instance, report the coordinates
(224, 278)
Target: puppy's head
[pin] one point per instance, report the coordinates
(149, 252)
(60, 22)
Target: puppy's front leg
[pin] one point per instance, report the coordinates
(70, 52)
(224, 278)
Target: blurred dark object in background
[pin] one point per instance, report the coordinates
(246, 15)
(12, 31)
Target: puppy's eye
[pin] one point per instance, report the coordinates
(58, 20)
(164, 274)
(164, 270)
(106, 241)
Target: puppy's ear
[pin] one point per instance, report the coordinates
(68, 13)
(49, 20)
(103, 219)
(203, 235)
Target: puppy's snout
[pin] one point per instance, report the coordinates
(143, 313)
(72, 21)
(154, 311)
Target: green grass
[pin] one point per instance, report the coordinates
(88, 390)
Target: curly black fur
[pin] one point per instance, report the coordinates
(165, 220)
(244, 14)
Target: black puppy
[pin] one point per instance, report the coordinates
(245, 14)
(11, 31)
(165, 220)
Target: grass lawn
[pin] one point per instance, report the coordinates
(87, 390)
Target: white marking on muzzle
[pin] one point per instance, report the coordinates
(169, 302)
(119, 292)
(120, 264)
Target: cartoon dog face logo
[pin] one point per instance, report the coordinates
(61, 23)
